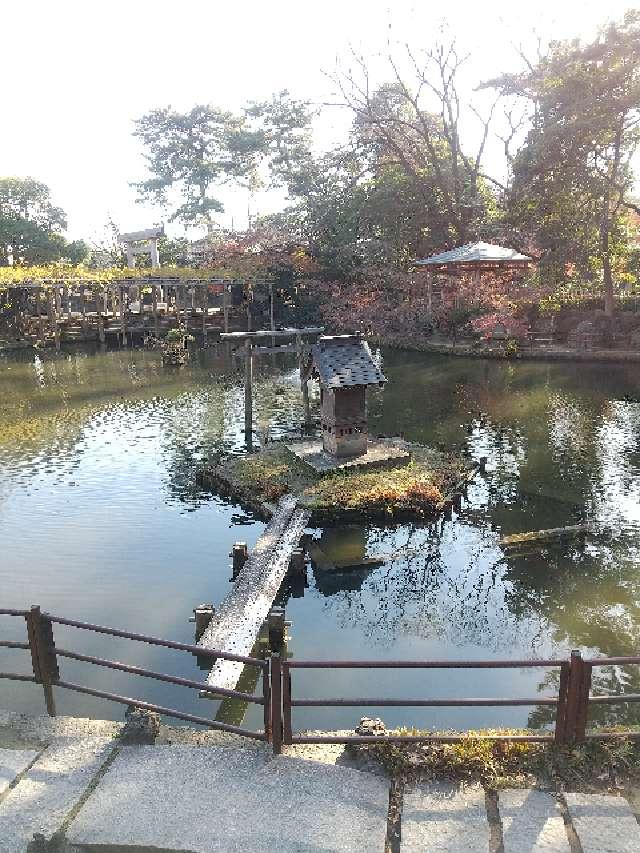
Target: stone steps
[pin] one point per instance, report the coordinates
(446, 819)
(97, 792)
(41, 789)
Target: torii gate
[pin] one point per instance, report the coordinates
(294, 340)
(141, 242)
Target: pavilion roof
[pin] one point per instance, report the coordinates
(476, 255)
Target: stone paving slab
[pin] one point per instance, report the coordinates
(604, 824)
(45, 795)
(12, 763)
(444, 819)
(212, 799)
(531, 822)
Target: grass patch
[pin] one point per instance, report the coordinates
(422, 487)
(593, 765)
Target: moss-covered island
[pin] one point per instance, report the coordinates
(428, 483)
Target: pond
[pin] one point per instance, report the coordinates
(101, 520)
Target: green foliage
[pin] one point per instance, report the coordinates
(573, 177)
(193, 153)
(31, 225)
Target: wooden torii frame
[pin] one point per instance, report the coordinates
(297, 340)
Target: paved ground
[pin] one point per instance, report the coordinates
(76, 779)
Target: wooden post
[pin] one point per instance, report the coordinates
(177, 289)
(303, 382)
(154, 297)
(296, 562)
(83, 308)
(67, 301)
(39, 314)
(204, 302)
(239, 555)
(123, 322)
(56, 316)
(43, 654)
(202, 615)
(276, 704)
(578, 685)
(100, 298)
(271, 313)
(225, 306)
(248, 392)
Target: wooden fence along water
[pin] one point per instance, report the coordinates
(572, 702)
(130, 309)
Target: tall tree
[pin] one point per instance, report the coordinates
(193, 153)
(573, 178)
(414, 124)
(32, 226)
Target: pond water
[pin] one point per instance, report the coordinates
(101, 520)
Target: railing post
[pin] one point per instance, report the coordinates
(287, 733)
(43, 654)
(583, 706)
(579, 683)
(561, 708)
(266, 695)
(276, 704)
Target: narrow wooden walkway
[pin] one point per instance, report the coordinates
(236, 624)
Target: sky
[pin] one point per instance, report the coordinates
(77, 74)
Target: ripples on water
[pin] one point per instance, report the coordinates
(101, 518)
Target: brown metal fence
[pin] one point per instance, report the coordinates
(45, 655)
(571, 704)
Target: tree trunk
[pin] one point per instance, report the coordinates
(605, 254)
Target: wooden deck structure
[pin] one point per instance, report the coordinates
(129, 309)
(235, 627)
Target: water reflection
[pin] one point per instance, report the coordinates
(101, 516)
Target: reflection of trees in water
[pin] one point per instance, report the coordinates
(615, 497)
(451, 589)
(206, 422)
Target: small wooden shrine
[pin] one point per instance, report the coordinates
(344, 368)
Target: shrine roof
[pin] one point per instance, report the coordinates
(344, 361)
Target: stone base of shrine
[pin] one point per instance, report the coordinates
(381, 453)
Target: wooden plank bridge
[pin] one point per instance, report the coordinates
(235, 626)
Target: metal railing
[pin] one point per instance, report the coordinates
(45, 655)
(571, 704)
